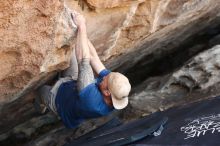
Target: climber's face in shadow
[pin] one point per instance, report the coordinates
(103, 86)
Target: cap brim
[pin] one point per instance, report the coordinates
(119, 104)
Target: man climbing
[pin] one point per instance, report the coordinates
(77, 95)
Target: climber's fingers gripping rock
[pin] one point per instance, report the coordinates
(78, 19)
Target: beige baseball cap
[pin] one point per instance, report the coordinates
(119, 88)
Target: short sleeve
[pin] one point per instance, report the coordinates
(103, 73)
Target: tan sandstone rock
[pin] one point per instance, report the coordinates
(120, 26)
(109, 3)
(34, 38)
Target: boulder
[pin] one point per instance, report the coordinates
(198, 79)
(35, 40)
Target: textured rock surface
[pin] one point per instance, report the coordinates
(35, 36)
(197, 79)
(171, 37)
(109, 3)
(125, 26)
(34, 39)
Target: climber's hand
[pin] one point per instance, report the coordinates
(78, 19)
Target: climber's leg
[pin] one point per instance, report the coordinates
(72, 71)
(45, 100)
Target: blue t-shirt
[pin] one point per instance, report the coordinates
(74, 107)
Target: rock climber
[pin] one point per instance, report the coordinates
(77, 95)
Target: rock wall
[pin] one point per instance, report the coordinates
(199, 78)
(35, 38)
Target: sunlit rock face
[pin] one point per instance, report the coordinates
(34, 38)
(123, 26)
(109, 3)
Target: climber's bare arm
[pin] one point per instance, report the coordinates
(82, 48)
(95, 61)
(85, 76)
